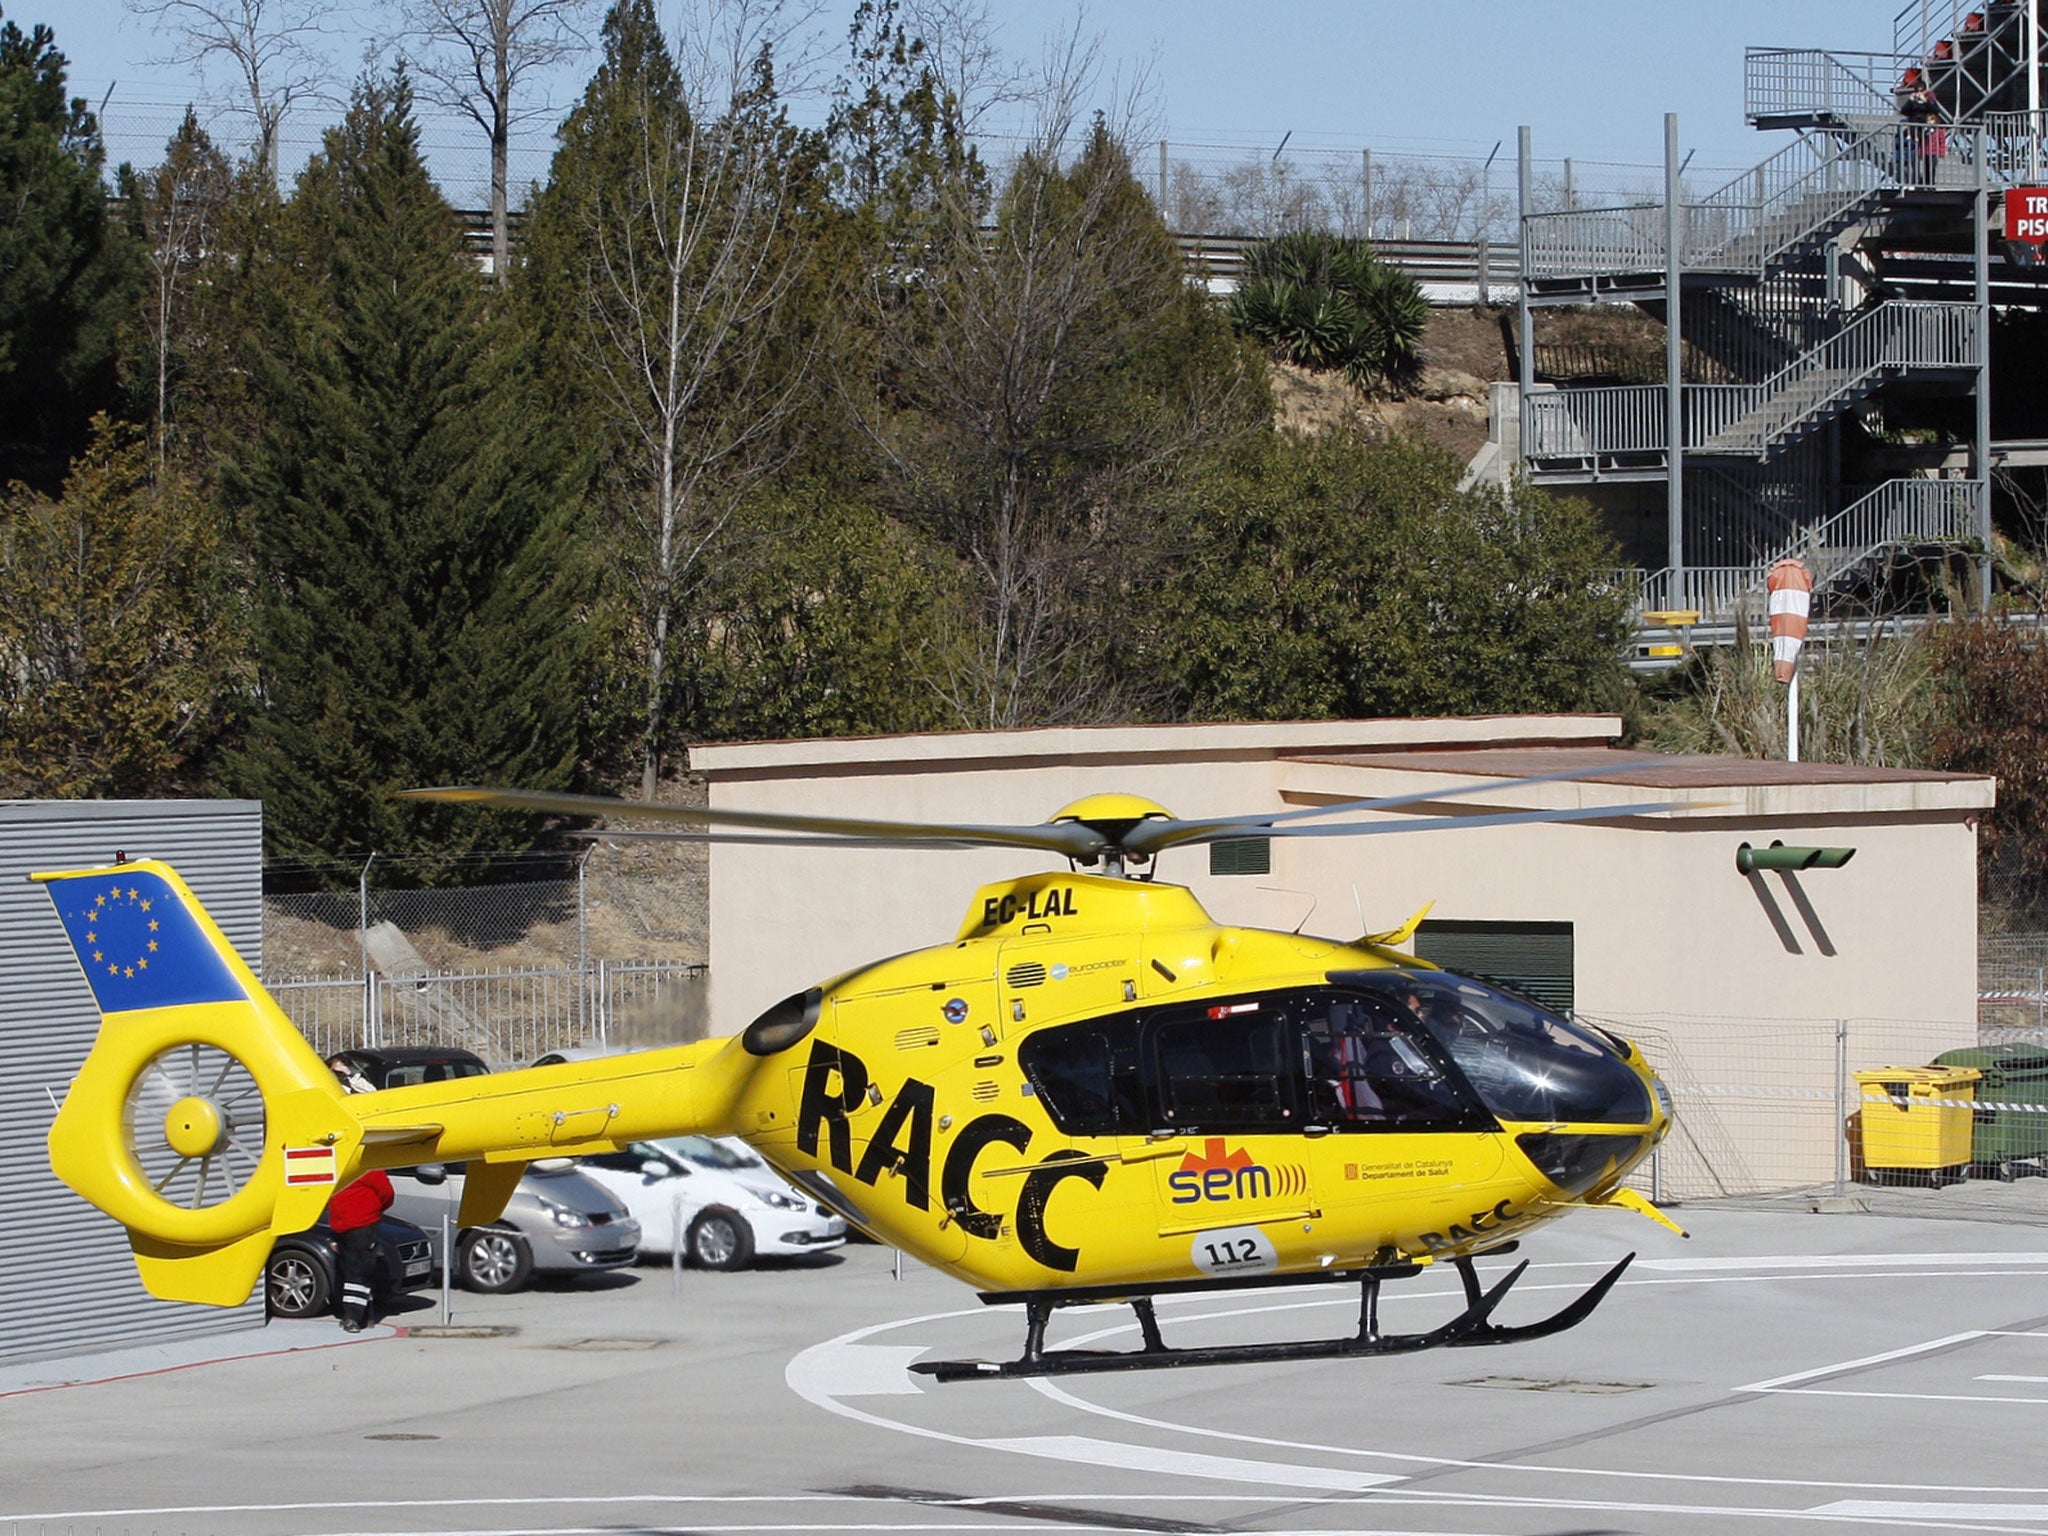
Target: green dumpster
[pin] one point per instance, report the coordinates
(2010, 1122)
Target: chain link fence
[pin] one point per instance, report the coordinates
(1209, 189)
(1769, 1107)
(531, 953)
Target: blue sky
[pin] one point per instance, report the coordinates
(1592, 78)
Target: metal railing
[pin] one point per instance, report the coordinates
(506, 1017)
(1902, 511)
(1712, 591)
(1814, 82)
(1907, 511)
(1897, 335)
(1587, 425)
(1749, 225)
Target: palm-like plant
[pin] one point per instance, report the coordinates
(1323, 301)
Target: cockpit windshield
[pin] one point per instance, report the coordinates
(1527, 1064)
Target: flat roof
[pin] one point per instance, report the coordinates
(969, 750)
(1650, 770)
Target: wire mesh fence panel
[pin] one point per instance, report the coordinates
(333, 1015)
(652, 1002)
(508, 1018)
(1771, 1105)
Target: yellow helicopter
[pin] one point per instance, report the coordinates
(1093, 1092)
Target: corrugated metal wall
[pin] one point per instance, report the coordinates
(67, 1282)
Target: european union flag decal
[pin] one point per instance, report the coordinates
(137, 943)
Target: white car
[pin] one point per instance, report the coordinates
(729, 1206)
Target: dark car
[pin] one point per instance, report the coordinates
(401, 1066)
(302, 1278)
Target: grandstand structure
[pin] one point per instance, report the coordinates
(1827, 318)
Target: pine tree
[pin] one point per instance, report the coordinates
(415, 521)
(64, 270)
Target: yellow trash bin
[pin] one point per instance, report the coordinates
(1917, 1118)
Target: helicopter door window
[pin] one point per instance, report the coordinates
(1086, 1076)
(1225, 1067)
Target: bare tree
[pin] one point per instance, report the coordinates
(474, 56)
(177, 208)
(272, 44)
(971, 69)
(678, 206)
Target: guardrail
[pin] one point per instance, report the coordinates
(1220, 259)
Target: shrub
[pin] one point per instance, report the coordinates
(1326, 302)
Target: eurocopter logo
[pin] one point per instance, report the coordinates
(1217, 1174)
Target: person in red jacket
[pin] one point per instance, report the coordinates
(352, 1215)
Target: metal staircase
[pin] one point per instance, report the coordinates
(1806, 365)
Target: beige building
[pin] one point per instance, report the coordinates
(1645, 912)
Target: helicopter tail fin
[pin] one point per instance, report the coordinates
(204, 1123)
(201, 1120)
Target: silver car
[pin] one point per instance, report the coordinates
(557, 1222)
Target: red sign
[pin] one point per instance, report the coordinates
(2026, 214)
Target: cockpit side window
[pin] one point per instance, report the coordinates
(1369, 1067)
(1526, 1063)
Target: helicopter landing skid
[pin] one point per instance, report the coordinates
(1473, 1326)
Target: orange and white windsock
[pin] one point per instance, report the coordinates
(1790, 585)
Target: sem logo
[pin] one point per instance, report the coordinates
(1217, 1174)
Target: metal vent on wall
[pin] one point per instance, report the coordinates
(916, 1036)
(1030, 974)
(1241, 856)
(1534, 959)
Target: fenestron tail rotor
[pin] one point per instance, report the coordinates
(193, 1123)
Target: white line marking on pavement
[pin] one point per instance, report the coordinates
(1146, 1458)
(855, 1370)
(2031, 1380)
(1780, 1383)
(1889, 1509)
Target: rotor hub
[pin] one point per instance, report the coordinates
(195, 1127)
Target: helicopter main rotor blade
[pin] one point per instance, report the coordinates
(1455, 823)
(763, 839)
(1155, 836)
(1069, 838)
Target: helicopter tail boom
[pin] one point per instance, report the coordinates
(204, 1123)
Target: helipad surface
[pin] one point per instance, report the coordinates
(1781, 1371)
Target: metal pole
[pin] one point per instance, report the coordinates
(1841, 1107)
(447, 1269)
(675, 1244)
(583, 943)
(1981, 452)
(1674, 358)
(2033, 21)
(1525, 336)
(1568, 203)
(1792, 717)
(1162, 178)
(1368, 194)
(363, 912)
